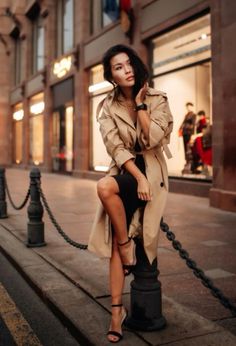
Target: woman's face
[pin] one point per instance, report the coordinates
(122, 71)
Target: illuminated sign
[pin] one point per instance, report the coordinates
(62, 67)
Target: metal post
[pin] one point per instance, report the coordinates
(35, 213)
(146, 302)
(3, 203)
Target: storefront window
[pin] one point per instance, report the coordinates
(98, 89)
(36, 127)
(18, 115)
(182, 69)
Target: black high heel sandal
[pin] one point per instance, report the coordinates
(113, 332)
(129, 268)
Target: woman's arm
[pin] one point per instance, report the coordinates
(142, 115)
(144, 190)
(157, 124)
(114, 144)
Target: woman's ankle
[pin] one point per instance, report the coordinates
(124, 242)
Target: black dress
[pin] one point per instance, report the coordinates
(128, 187)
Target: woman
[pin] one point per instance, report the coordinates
(135, 124)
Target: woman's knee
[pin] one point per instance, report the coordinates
(106, 187)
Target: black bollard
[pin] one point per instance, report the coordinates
(145, 295)
(3, 203)
(35, 213)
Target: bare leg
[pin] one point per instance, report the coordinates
(116, 287)
(108, 192)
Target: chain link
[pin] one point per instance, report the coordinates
(206, 281)
(55, 223)
(21, 206)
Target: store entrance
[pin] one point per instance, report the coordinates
(62, 141)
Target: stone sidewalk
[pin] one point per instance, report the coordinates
(75, 282)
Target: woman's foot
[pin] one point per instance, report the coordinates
(127, 254)
(119, 315)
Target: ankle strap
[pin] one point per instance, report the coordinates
(115, 305)
(126, 242)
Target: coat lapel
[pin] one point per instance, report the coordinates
(123, 114)
(120, 110)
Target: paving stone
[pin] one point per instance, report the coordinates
(214, 339)
(213, 243)
(218, 273)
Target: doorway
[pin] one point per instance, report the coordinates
(62, 141)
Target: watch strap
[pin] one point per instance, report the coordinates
(141, 106)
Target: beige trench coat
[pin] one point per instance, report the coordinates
(119, 135)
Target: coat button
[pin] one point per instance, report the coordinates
(161, 184)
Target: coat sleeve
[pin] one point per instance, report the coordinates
(111, 138)
(161, 121)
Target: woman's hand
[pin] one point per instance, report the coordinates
(140, 97)
(144, 190)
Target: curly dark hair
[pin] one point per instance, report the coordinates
(140, 70)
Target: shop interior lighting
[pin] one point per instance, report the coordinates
(17, 162)
(203, 36)
(37, 108)
(101, 168)
(36, 162)
(18, 115)
(98, 86)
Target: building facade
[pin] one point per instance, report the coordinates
(52, 82)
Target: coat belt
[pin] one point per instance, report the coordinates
(165, 149)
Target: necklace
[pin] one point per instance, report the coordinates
(129, 104)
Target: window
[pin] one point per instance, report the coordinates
(38, 44)
(65, 26)
(98, 88)
(18, 60)
(17, 42)
(36, 125)
(18, 115)
(103, 13)
(110, 11)
(182, 69)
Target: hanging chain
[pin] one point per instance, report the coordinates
(21, 206)
(55, 223)
(206, 281)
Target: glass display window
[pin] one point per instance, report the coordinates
(36, 129)
(182, 69)
(18, 115)
(98, 89)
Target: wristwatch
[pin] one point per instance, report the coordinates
(141, 106)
